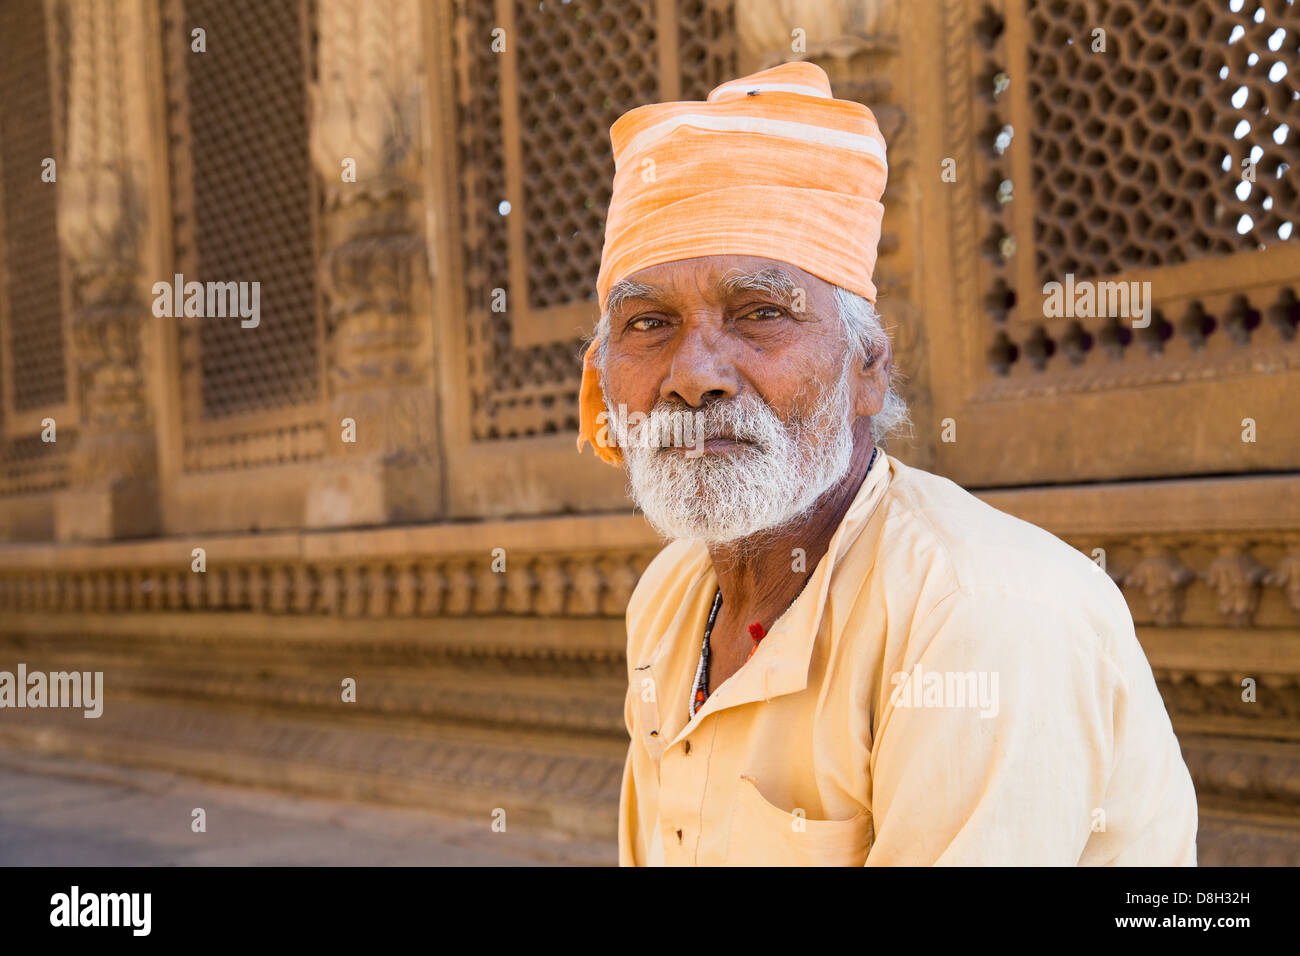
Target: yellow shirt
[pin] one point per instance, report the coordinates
(952, 686)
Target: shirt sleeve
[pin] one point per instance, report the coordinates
(995, 736)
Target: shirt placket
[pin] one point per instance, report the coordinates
(683, 776)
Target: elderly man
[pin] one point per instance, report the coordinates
(839, 660)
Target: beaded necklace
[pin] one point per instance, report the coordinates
(699, 694)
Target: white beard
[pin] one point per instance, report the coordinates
(722, 498)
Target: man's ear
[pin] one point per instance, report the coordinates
(872, 382)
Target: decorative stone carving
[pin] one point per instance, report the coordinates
(405, 593)
(1163, 571)
(460, 590)
(585, 597)
(553, 586)
(433, 585)
(101, 220)
(1237, 577)
(366, 146)
(1163, 579)
(1287, 576)
(489, 587)
(521, 584)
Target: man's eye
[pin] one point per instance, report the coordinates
(645, 323)
(763, 313)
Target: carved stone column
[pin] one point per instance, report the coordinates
(113, 488)
(367, 147)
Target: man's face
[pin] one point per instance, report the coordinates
(768, 376)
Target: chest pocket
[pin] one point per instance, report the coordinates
(765, 835)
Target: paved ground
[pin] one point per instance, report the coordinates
(61, 811)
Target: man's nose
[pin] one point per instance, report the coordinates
(698, 374)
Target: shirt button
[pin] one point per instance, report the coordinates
(679, 836)
(687, 747)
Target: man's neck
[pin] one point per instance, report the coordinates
(761, 576)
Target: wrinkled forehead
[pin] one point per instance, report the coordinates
(714, 279)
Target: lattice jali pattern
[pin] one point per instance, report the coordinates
(243, 198)
(983, 134)
(706, 37)
(31, 270)
(580, 66)
(1138, 151)
(513, 392)
(283, 445)
(29, 465)
(1220, 334)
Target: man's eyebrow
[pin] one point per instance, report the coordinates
(626, 289)
(772, 281)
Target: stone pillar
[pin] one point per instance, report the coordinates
(113, 487)
(367, 144)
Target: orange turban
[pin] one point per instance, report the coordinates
(769, 165)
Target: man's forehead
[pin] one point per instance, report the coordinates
(717, 276)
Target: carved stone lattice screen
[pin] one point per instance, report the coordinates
(1129, 154)
(34, 345)
(535, 169)
(33, 376)
(1132, 143)
(245, 210)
